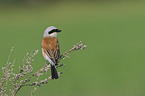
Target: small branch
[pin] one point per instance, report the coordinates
(28, 79)
(78, 46)
(26, 68)
(32, 92)
(17, 90)
(6, 74)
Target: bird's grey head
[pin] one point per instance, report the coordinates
(51, 32)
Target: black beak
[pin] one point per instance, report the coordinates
(58, 30)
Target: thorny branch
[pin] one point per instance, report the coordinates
(26, 69)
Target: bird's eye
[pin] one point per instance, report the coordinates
(50, 32)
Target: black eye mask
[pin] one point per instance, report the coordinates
(54, 30)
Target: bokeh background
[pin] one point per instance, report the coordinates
(113, 64)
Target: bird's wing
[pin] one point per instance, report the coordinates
(50, 47)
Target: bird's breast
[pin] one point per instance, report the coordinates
(49, 42)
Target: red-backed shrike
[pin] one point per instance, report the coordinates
(50, 49)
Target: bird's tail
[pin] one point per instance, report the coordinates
(54, 73)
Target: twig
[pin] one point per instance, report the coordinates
(26, 68)
(28, 79)
(78, 46)
(5, 72)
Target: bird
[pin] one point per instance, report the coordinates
(50, 49)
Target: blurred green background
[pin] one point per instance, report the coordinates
(113, 64)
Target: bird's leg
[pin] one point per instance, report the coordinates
(60, 65)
